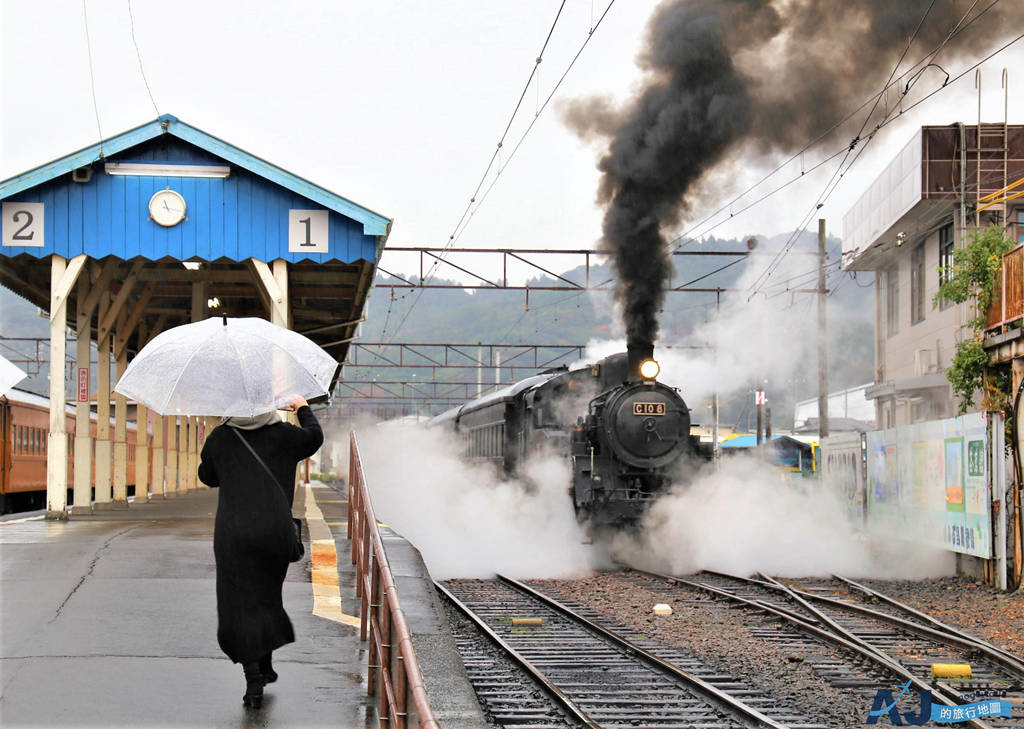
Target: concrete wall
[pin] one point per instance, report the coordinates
(936, 333)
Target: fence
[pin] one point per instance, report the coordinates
(939, 483)
(380, 614)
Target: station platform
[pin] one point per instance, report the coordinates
(109, 620)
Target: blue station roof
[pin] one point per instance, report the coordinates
(750, 441)
(245, 214)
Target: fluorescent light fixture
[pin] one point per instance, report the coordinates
(146, 169)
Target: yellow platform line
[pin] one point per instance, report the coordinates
(324, 555)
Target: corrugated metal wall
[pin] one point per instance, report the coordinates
(238, 217)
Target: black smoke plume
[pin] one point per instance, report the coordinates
(733, 81)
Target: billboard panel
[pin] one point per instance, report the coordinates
(930, 480)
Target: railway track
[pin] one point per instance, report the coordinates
(571, 671)
(879, 639)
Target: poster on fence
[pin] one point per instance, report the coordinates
(930, 481)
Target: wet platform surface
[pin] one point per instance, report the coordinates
(110, 620)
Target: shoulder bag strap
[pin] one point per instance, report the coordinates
(257, 457)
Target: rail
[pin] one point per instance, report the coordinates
(380, 613)
(1008, 295)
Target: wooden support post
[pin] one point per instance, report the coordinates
(158, 456)
(273, 288)
(57, 442)
(103, 444)
(171, 468)
(141, 445)
(183, 423)
(82, 501)
(120, 423)
(141, 454)
(193, 465)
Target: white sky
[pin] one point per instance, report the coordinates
(395, 105)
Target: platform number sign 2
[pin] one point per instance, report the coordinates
(23, 224)
(307, 231)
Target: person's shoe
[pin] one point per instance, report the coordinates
(253, 685)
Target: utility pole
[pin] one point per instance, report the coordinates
(479, 371)
(759, 401)
(714, 401)
(822, 337)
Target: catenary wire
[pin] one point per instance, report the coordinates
(458, 231)
(689, 234)
(138, 55)
(838, 174)
(92, 76)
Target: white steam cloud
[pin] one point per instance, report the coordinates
(465, 521)
(745, 518)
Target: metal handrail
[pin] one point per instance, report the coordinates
(399, 675)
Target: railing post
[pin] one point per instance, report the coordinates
(1004, 294)
(384, 623)
(401, 689)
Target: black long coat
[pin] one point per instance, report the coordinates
(250, 535)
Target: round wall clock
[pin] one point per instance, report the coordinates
(166, 208)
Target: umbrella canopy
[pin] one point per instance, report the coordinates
(222, 366)
(10, 375)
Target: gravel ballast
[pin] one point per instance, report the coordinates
(732, 639)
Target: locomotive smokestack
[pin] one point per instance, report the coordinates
(635, 354)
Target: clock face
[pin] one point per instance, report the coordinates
(166, 208)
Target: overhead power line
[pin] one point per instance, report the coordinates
(925, 61)
(470, 210)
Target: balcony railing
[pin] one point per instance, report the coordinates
(1008, 297)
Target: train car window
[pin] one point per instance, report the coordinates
(21, 438)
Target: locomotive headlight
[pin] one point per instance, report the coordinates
(649, 369)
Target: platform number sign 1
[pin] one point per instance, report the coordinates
(307, 231)
(23, 224)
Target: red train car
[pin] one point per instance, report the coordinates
(25, 425)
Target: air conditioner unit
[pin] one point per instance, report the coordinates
(923, 362)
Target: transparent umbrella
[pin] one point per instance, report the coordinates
(223, 366)
(10, 375)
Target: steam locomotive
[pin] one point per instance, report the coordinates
(625, 432)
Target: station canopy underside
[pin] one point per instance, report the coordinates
(324, 299)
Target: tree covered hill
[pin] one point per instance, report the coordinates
(581, 317)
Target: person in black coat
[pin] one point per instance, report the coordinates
(253, 533)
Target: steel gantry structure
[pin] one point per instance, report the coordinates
(405, 395)
(434, 257)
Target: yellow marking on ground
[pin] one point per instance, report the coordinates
(324, 555)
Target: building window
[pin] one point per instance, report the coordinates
(892, 301)
(917, 284)
(1020, 225)
(945, 258)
